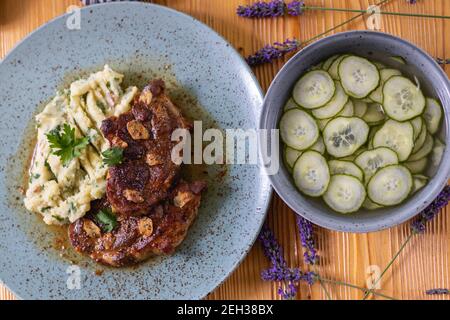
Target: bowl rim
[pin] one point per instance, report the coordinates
(414, 208)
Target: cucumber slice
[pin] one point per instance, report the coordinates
(359, 77)
(425, 150)
(433, 115)
(374, 113)
(438, 152)
(417, 124)
(379, 65)
(390, 185)
(311, 174)
(291, 156)
(290, 104)
(336, 104)
(360, 108)
(348, 158)
(323, 123)
(334, 68)
(418, 166)
(373, 160)
(397, 136)
(298, 129)
(345, 194)
(403, 100)
(343, 136)
(359, 151)
(419, 182)
(399, 60)
(316, 67)
(353, 156)
(319, 146)
(385, 74)
(418, 143)
(373, 131)
(345, 167)
(369, 205)
(314, 89)
(327, 64)
(348, 110)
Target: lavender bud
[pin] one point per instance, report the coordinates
(272, 9)
(270, 53)
(418, 226)
(438, 291)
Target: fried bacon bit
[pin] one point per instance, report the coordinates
(117, 142)
(152, 159)
(145, 227)
(146, 97)
(182, 198)
(108, 241)
(137, 130)
(133, 196)
(91, 229)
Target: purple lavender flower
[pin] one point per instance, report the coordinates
(275, 8)
(443, 61)
(89, 2)
(273, 52)
(279, 271)
(411, 1)
(295, 8)
(438, 291)
(418, 226)
(305, 229)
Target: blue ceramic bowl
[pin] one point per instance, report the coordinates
(377, 46)
(202, 72)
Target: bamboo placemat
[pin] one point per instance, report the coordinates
(348, 257)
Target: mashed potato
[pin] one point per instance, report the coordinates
(63, 193)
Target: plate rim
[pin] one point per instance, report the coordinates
(266, 190)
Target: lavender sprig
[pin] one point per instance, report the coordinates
(272, 9)
(295, 8)
(306, 231)
(279, 271)
(443, 61)
(89, 2)
(418, 226)
(272, 52)
(438, 291)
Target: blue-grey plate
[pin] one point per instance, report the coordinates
(205, 75)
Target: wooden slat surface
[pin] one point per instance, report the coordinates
(346, 257)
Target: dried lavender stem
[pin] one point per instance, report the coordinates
(345, 284)
(388, 266)
(324, 289)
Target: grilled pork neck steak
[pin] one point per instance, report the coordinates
(138, 237)
(153, 206)
(147, 172)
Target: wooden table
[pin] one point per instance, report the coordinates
(347, 257)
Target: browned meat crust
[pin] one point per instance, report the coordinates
(139, 237)
(147, 172)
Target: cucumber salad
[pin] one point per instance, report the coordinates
(360, 134)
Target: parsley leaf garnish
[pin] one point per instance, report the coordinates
(64, 144)
(113, 156)
(106, 219)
